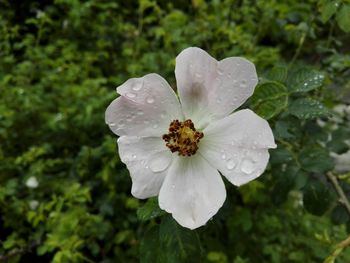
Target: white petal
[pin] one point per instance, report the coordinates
(146, 107)
(147, 160)
(238, 146)
(193, 191)
(209, 89)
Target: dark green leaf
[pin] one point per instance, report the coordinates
(317, 197)
(284, 184)
(337, 143)
(269, 99)
(150, 246)
(339, 215)
(306, 108)
(315, 159)
(305, 80)
(278, 73)
(283, 130)
(149, 210)
(178, 244)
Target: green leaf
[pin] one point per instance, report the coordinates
(283, 130)
(150, 246)
(317, 197)
(306, 108)
(269, 99)
(343, 18)
(304, 80)
(339, 215)
(170, 243)
(337, 143)
(278, 73)
(284, 184)
(149, 210)
(328, 10)
(315, 159)
(178, 244)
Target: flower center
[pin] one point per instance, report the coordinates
(183, 137)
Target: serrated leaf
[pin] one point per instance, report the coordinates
(278, 73)
(178, 244)
(317, 197)
(315, 158)
(343, 18)
(304, 80)
(306, 108)
(150, 246)
(339, 215)
(283, 130)
(149, 210)
(284, 184)
(328, 10)
(269, 99)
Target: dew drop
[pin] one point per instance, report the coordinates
(131, 95)
(223, 156)
(155, 126)
(112, 124)
(137, 85)
(134, 156)
(140, 113)
(230, 164)
(220, 72)
(198, 75)
(150, 100)
(159, 163)
(243, 84)
(247, 166)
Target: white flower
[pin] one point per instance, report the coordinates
(32, 182)
(180, 160)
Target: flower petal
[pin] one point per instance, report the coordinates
(146, 107)
(209, 89)
(147, 160)
(238, 146)
(193, 191)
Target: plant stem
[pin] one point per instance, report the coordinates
(344, 200)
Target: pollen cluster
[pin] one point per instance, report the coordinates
(183, 137)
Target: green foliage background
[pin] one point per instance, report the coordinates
(60, 62)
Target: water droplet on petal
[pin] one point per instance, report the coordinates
(247, 166)
(220, 72)
(155, 126)
(140, 112)
(230, 164)
(198, 75)
(159, 163)
(134, 156)
(150, 100)
(112, 124)
(137, 85)
(243, 84)
(130, 95)
(223, 156)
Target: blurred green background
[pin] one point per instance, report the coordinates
(65, 195)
